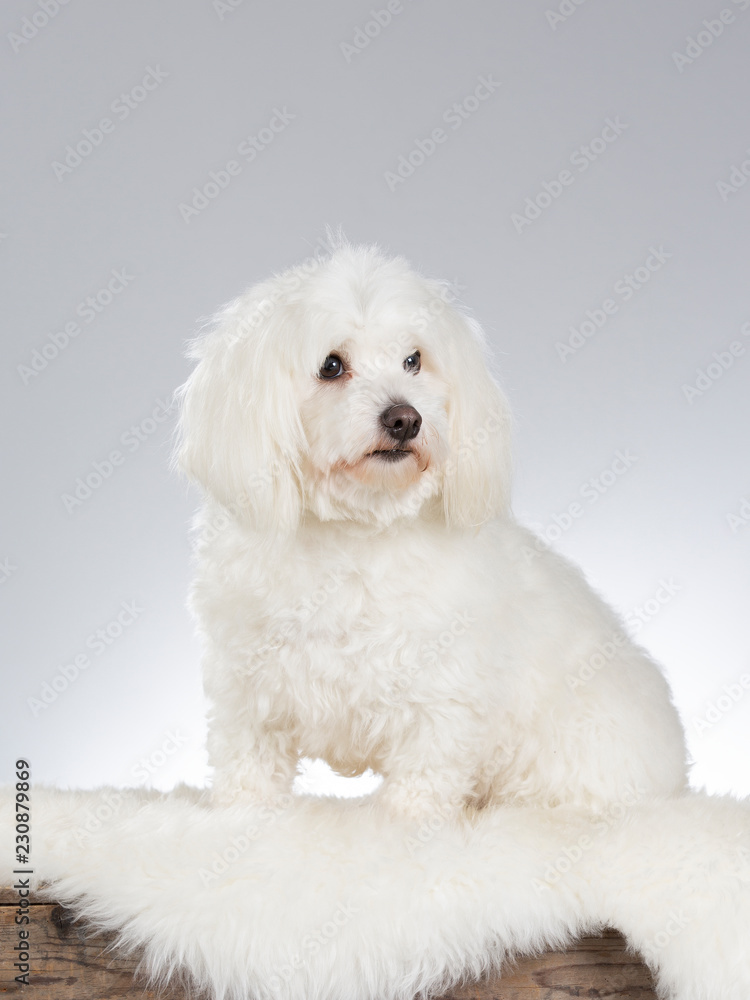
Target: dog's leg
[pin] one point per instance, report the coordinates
(421, 796)
(251, 765)
(432, 777)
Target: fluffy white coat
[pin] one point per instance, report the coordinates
(383, 610)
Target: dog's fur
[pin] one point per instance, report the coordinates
(388, 612)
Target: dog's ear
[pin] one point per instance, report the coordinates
(239, 434)
(477, 474)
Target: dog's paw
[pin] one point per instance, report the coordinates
(420, 798)
(234, 793)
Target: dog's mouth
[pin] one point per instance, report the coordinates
(390, 454)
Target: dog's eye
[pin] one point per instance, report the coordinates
(413, 363)
(332, 367)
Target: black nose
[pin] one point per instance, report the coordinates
(402, 422)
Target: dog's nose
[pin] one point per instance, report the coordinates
(401, 421)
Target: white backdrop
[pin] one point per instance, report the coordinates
(578, 169)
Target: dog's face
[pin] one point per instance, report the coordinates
(350, 388)
(376, 423)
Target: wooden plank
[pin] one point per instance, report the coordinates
(8, 895)
(70, 963)
(67, 962)
(598, 968)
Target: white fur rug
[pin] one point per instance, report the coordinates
(322, 899)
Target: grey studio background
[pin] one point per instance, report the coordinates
(579, 170)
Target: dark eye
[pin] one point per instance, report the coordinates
(413, 363)
(332, 367)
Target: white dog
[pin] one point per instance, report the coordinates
(363, 590)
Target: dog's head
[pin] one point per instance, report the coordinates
(350, 388)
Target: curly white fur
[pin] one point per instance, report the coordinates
(382, 610)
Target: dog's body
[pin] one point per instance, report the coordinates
(364, 593)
